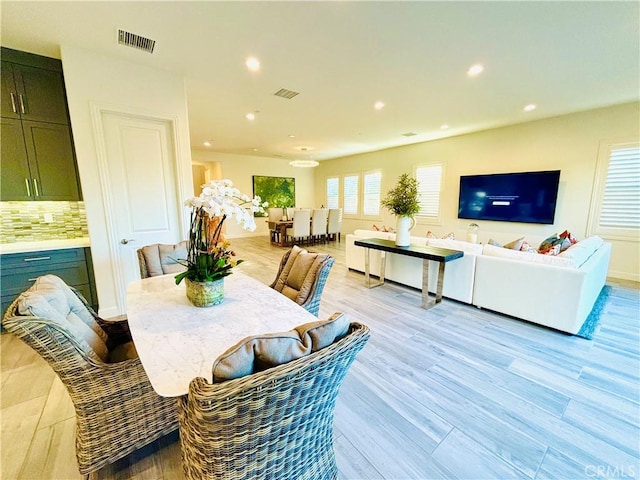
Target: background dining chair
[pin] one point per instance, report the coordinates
(160, 259)
(275, 215)
(319, 225)
(301, 230)
(117, 410)
(334, 223)
(302, 276)
(273, 424)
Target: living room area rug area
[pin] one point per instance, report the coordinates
(592, 323)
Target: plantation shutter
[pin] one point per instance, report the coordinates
(350, 194)
(332, 192)
(429, 183)
(619, 203)
(371, 201)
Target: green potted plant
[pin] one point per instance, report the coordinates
(403, 201)
(209, 258)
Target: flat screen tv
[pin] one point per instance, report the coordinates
(528, 197)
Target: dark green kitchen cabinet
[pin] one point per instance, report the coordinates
(18, 271)
(38, 157)
(39, 166)
(32, 93)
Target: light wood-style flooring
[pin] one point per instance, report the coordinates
(451, 393)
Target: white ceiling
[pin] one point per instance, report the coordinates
(344, 56)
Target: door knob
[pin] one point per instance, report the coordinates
(124, 241)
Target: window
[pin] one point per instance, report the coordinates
(429, 185)
(371, 194)
(350, 194)
(333, 192)
(615, 210)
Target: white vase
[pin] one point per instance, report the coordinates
(403, 230)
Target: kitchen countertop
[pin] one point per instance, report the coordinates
(43, 245)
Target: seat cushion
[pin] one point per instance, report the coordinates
(162, 259)
(52, 299)
(261, 352)
(299, 274)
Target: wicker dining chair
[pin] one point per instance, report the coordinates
(117, 410)
(161, 259)
(302, 276)
(274, 424)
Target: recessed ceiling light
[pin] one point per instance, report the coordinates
(378, 105)
(250, 116)
(255, 149)
(253, 64)
(475, 70)
(530, 107)
(444, 126)
(304, 163)
(292, 136)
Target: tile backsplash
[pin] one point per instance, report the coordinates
(37, 221)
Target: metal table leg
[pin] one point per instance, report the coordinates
(367, 269)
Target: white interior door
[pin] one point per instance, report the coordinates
(141, 168)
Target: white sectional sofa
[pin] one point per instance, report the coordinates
(555, 291)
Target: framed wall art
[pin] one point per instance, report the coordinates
(278, 191)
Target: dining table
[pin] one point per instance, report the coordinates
(177, 342)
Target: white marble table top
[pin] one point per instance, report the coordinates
(177, 342)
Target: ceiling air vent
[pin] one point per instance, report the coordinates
(129, 39)
(284, 93)
(409, 134)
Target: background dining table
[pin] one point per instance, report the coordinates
(177, 342)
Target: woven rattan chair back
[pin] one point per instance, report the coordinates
(117, 410)
(272, 425)
(312, 302)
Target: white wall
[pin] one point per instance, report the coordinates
(92, 78)
(241, 168)
(569, 143)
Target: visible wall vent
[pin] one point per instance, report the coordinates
(129, 39)
(284, 93)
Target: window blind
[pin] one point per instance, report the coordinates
(332, 192)
(620, 205)
(350, 194)
(371, 194)
(429, 181)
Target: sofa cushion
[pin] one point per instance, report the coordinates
(261, 352)
(374, 234)
(448, 236)
(50, 298)
(532, 257)
(466, 247)
(580, 252)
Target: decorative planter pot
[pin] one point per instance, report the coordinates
(205, 294)
(403, 230)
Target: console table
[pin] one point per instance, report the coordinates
(440, 255)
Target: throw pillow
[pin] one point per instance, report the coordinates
(527, 247)
(299, 273)
(448, 236)
(549, 243)
(261, 352)
(515, 244)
